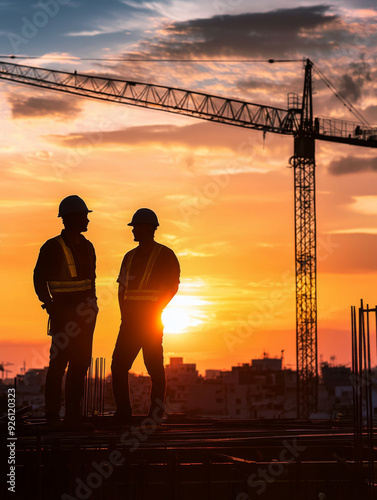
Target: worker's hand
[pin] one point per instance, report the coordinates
(47, 306)
(50, 307)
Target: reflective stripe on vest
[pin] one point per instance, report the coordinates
(68, 257)
(73, 285)
(141, 293)
(69, 286)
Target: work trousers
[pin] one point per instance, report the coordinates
(72, 330)
(135, 334)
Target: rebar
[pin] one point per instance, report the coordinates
(363, 391)
(93, 401)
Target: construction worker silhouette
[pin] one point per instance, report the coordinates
(64, 280)
(148, 280)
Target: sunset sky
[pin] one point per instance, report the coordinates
(223, 194)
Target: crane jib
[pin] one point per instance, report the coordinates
(196, 104)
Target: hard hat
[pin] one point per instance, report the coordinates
(72, 205)
(144, 216)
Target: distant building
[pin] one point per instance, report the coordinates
(180, 379)
(267, 364)
(212, 374)
(261, 389)
(30, 390)
(257, 390)
(336, 390)
(140, 390)
(334, 376)
(207, 397)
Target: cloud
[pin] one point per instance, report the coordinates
(362, 3)
(271, 87)
(86, 33)
(355, 230)
(41, 107)
(21, 205)
(371, 112)
(349, 88)
(267, 34)
(351, 164)
(352, 82)
(367, 205)
(200, 135)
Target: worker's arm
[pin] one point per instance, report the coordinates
(172, 273)
(122, 283)
(166, 294)
(48, 261)
(93, 260)
(120, 295)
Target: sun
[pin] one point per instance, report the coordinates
(184, 313)
(175, 320)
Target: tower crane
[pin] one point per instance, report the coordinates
(5, 370)
(297, 120)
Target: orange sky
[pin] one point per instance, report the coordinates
(224, 197)
(229, 218)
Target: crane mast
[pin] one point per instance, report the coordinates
(306, 255)
(297, 120)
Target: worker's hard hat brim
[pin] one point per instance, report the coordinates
(135, 223)
(76, 213)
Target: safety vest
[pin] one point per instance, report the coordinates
(142, 292)
(68, 274)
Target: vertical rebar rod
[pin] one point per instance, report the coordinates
(95, 387)
(83, 400)
(365, 383)
(360, 375)
(93, 402)
(104, 387)
(355, 383)
(369, 406)
(363, 393)
(90, 385)
(376, 329)
(98, 406)
(101, 388)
